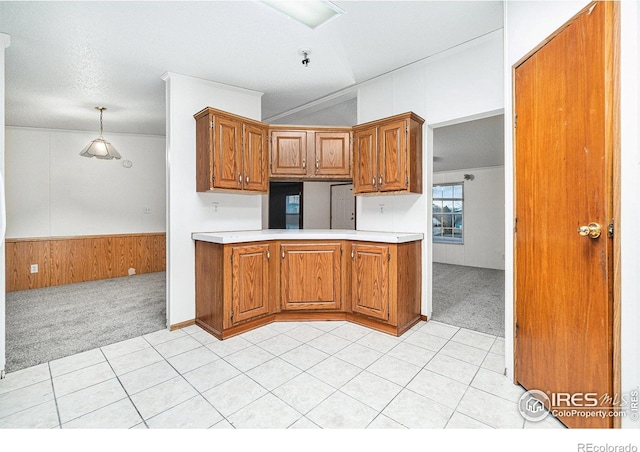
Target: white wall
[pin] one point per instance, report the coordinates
(52, 191)
(457, 85)
(187, 210)
(341, 114)
(483, 219)
(526, 25)
(316, 205)
(4, 43)
(630, 181)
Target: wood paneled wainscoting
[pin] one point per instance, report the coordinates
(66, 260)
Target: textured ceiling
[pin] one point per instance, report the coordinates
(67, 57)
(472, 144)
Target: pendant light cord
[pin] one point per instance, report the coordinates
(101, 110)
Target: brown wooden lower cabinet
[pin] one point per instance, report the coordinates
(311, 276)
(243, 286)
(370, 280)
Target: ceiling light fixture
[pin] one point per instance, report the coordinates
(100, 148)
(305, 56)
(311, 13)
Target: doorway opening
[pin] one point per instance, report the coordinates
(468, 225)
(285, 205)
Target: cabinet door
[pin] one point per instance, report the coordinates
(204, 152)
(227, 149)
(392, 156)
(288, 153)
(255, 158)
(370, 280)
(332, 154)
(365, 156)
(310, 276)
(250, 282)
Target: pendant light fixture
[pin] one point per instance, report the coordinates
(100, 148)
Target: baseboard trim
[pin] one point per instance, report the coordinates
(177, 326)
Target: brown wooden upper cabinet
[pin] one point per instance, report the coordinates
(231, 152)
(305, 153)
(388, 155)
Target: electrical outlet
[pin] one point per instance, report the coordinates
(147, 210)
(215, 205)
(381, 209)
(34, 268)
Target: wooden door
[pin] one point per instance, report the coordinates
(566, 102)
(333, 154)
(227, 148)
(365, 145)
(311, 276)
(392, 156)
(370, 280)
(249, 282)
(255, 158)
(288, 153)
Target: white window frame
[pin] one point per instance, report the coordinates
(437, 228)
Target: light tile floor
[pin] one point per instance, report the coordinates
(327, 375)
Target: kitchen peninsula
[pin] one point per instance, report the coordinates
(246, 279)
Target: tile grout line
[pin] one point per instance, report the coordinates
(144, 421)
(187, 381)
(55, 398)
(406, 386)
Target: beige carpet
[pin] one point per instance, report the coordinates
(54, 322)
(469, 297)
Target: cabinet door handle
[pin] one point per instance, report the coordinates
(380, 181)
(373, 182)
(246, 180)
(304, 163)
(239, 179)
(317, 165)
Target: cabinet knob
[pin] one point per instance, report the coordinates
(304, 163)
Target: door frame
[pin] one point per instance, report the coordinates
(612, 127)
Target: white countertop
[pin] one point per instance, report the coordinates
(225, 237)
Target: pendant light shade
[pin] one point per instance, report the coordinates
(100, 148)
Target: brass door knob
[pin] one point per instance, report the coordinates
(592, 230)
